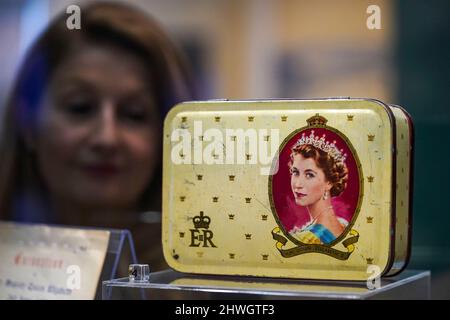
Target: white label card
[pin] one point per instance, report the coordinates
(43, 262)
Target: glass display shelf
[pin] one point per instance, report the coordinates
(170, 284)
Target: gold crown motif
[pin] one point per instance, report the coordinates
(323, 145)
(264, 217)
(199, 177)
(248, 156)
(370, 179)
(231, 216)
(231, 255)
(350, 117)
(369, 260)
(201, 221)
(231, 178)
(183, 119)
(215, 199)
(250, 119)
(369, 219)
(317, 120)
(247, 200)
(216, 119)
(370, 137)
(181, 234)
(248, 236)
(182, 198)
(284, 118)
(265, 256)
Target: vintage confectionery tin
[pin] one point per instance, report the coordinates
(312, 189)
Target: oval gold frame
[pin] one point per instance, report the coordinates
(361, 186)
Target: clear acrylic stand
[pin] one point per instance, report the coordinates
(170, 284)
(120, 246)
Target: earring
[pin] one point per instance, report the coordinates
(325, 195)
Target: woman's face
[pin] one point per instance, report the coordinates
(308, 181)
(98, 131)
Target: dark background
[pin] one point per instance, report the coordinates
(423, 61)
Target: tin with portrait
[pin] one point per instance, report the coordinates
(311, 189)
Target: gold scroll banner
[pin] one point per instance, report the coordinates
(318, 248)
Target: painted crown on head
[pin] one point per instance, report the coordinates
(322, 144)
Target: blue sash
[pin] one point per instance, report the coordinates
(322, 233)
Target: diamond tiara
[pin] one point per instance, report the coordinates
(320, 143)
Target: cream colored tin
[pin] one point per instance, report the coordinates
(312, 189)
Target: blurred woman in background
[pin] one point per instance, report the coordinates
(82, 131)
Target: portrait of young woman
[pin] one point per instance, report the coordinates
(316, 176)
(317, 197)
(82, 129)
